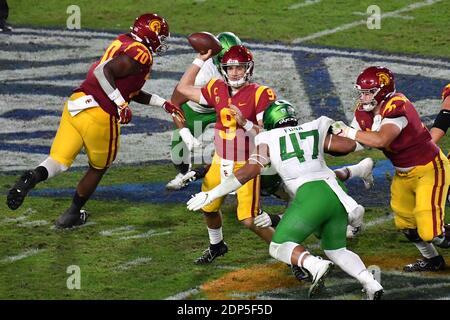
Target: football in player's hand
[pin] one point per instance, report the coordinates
(203, 41)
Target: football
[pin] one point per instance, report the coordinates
(202, 41)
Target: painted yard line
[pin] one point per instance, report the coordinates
(134, 263)
(419, 288)
(358, 13)
(303, 4)
(148, 234)
(23, 255)
(183, 295)
(117, 231)
(411, 7)
(87, 224)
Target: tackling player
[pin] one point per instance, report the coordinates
(92, 114)
(319, 204)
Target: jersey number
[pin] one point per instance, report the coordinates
(298, 152)
(229, 122)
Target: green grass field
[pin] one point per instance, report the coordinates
(142, 250)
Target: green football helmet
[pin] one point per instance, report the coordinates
(278, 113)
(227, 40)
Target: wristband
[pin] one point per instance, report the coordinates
(156, 101)
(116, 96)
(198, 62)
(248, 125)
(351, 134)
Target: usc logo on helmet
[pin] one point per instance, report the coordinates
(155, 26)
(383, 78)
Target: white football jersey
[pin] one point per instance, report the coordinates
(207, 72)
(297, 153)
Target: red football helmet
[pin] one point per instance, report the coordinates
(237, 56)
(378, 81)
(152, 31)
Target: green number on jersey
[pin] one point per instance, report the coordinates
(298, 152)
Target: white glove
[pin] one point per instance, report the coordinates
(188, 177)
(341, 129)
(189, 139)
(355, 218)
(198, 201)
(263, 220)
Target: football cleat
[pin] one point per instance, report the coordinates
(210, 254)
(367, 176)
(176, 183)
(433, 264)
(300, 274)
(19, 191)
(322, 268)
(71, 219)
(374, 290)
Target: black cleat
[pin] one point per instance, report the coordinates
(434, 264)
(300, 274)
(71, 219)
(19, 191)
(211, 253)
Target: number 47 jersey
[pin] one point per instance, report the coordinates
(296, 153)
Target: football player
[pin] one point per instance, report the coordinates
(198, 117)
(387, 120)
(319, 204)
(232, 141)
(94, 112)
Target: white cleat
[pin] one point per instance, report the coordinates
(321, 270)
(374, 290)
(176, 183)
(367, 176)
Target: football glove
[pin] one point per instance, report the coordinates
(175, 111)
(189, 139)
(125, 113)
(263, 220)
(198, 201)
(339, 128)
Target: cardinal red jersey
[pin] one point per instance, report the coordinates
(446, 92)
(413, 146)
(230, 140)
(128, 86)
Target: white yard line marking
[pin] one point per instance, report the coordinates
(134, 263)
(183, 295)
(23, 255)
(148, 234)
(357, 13)
(303, 4)
(346, 26)
(34, 223)
(117, 231)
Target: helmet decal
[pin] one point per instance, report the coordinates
(155, 26)
(383, 78)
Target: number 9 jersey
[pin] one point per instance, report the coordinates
(230, 140)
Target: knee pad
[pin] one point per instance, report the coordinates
(282, 252)
(412, 235)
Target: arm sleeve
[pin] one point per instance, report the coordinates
(400, 122)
